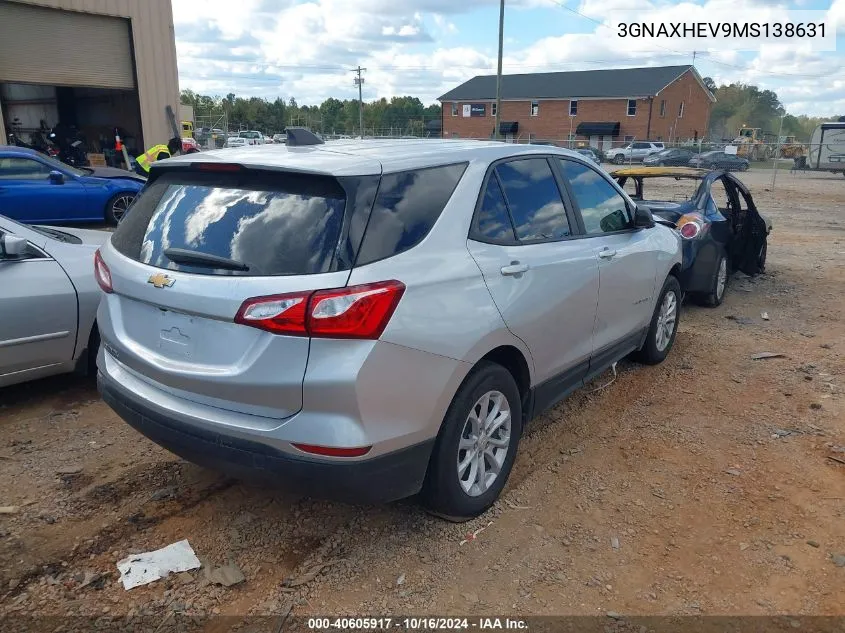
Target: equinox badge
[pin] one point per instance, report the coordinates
(160, 280)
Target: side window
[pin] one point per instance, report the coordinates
(14, 168)
(602, 208)
(642, 145)
(534, 199)
(721, 196)
(493, 222)
(407, 206)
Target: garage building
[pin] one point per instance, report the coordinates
(92, 64)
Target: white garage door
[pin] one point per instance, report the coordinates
(64, 48)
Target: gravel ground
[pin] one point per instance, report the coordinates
(706, 485)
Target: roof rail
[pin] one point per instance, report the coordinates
(298, 136)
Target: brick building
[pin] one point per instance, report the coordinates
(602, 107)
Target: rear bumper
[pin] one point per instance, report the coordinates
(387, 477)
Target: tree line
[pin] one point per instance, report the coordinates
(742, 105)
(737, 105)
(404, 115)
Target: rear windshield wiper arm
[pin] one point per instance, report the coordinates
(195, 258)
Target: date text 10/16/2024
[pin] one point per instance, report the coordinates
(417, 624)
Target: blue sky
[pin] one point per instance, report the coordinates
(306, 48)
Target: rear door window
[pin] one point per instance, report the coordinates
(407, 206)
(274, 224)
(493, 222)
(534, 199)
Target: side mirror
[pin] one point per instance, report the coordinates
(13, 247)
(57, 178)
(643, 218)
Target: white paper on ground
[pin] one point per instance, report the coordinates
(142, 569)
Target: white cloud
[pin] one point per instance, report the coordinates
(306, 49)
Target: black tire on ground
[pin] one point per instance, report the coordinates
(117, 206)
(651, 353)
(618, 159)
(716, 294)
(442, 492)
(761, 257)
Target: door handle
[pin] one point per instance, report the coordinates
(607, 254)
(515, 268)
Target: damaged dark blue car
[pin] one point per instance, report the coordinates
(714, 213)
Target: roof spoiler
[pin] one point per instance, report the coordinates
(298, 136)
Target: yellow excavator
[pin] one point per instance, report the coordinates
(750, 144)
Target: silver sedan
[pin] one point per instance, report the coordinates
(48, 301)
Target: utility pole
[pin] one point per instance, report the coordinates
(693, 58)
(777, 153)
(359, 81)
(496, 134)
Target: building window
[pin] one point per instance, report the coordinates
(681, 110)
(492, 109)
(628, 138)
(663, 107)
(659, 138)
(535, 108)
(454, 109)
(632, 107)
(573, 108)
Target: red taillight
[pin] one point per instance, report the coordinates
(331, 451)
(217, 167)
(280, 314)
(690, 225)
(102, 273)
(355, 312)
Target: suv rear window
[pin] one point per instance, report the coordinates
(272, 223)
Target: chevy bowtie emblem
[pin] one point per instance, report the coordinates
(160, 280)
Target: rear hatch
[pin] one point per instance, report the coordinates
(195, 247)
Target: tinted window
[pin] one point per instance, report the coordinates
(602, 208)
(534, 199)
(493, 222)
(641, 145)
(407, 206)
(275, 224)
(13, 168)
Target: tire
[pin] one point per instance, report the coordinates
(719, 284)
(661, 164)
(761, 257)
(618, 159)
(664, 324)
(117, 206)
(457, 495)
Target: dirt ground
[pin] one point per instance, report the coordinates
(706, 485)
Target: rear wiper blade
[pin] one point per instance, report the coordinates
(195, 258)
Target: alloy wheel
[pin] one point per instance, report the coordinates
(721, 278)
(666, 319)
(121, 205)
(484, 443)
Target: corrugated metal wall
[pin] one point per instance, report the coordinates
(155, 55)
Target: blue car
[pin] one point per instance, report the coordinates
(35, 189)
(713, 211)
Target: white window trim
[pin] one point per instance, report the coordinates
(573, 101)
(663, 108)
(493, 109)
(454, 108)
(531, 110)
(628, 107)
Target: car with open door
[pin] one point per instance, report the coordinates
(374, 319)
(715, 215)
(48, 301)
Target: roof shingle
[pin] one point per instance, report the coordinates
(614, 83)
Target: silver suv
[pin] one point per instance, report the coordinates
(636, 151)
(367, 320)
